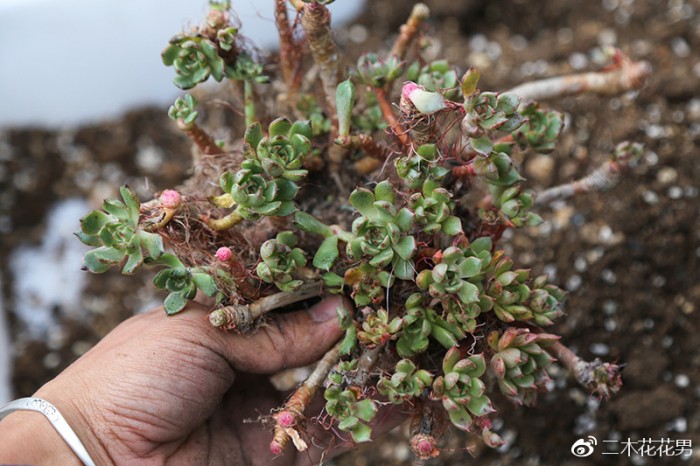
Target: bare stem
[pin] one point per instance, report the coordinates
(288, 46)
(316, 20)
(242, 317)
(367, 361)
(203, 140)
(165, 218)
(292, 413)
(249, 102)
(377, 153)
(423, 442)
(224, 223)
(389, 116)
(623, 75)
(603, 178)
(298, 4)
(603, 379)
(410, 29)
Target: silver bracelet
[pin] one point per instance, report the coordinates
(57, 421)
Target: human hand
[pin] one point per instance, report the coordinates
(177, 390)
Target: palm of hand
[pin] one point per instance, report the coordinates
(162, 390)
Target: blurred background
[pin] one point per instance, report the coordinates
(84, 100)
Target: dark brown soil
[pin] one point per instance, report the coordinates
(629, 257)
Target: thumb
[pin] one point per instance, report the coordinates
(288, 340)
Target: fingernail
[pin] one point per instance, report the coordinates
(325, 310)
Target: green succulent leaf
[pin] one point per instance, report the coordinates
(363, 200)
(327, 253)
(405, 247)
(134, 260)
(253, 135)
(174, 303)
(470, 81)
(93, 222)
(482, 145)
(311, 224)
(152, 242)
(460, 418)
(365, 410)
(102, 259)
(280, 127)
(205, 282)
(345, 101)
(349, 341)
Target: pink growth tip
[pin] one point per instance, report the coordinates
(224, 254)
(425, 447)
(276, 448)
(408, 87)
(285, 419)
(170, 199)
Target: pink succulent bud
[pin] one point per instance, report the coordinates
(224, 254)
(276, 448)
(170, 199)
(285, 419)
(408, 87)
(424, 446)
(426, 102)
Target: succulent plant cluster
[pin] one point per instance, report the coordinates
(421, 264)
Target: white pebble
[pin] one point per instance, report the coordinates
(607, 37)
(675, 192)
(667, 175)
(650, 197)
(52, 360)
(610, 325)
(609, 307)
(682, 381)
(573, 283)
(658, 281)
(655, 131)
(578, 61)
(651, 158)
(478, 43)
(599, 349)
(679, 424)
(680, 47)
(608, 276)
(358, 33)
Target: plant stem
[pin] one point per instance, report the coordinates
(603, 178)
(423, 442)
(242, 317)
(316, 20)
(202, 139)
(224, 223)
(623, 75)
(389, 116)
(463, 171)
(367, 361)
(167, 216)
(298, 4)
(603, 379)
(409, 30)
(249, 102)
(288, 47)
(377, 153)
(292, 413)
